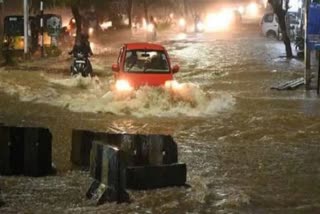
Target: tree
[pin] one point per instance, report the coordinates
(280, 8)
(129, 11)
(163, 4)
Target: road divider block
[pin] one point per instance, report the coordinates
(25, 151)
(81, 146)
(147, 149)
(108, 170)
(126, 161)
(1, 199)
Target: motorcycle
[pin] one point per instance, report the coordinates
(299, 45)
(81, 65)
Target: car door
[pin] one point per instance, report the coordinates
(119, 62)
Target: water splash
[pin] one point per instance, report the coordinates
(80, 94)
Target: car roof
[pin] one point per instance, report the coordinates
(143, 46)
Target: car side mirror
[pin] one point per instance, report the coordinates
(175, 69)
(115, 67)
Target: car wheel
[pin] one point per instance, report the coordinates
(271, 34)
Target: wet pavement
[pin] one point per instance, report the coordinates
(248, 149)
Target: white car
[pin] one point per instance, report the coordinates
(270, 26)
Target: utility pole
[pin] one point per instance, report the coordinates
(307, 72)
(41, 29)
(26, 26)
(1, 14)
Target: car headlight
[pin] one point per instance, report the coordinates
(172, 84)
(123, 85)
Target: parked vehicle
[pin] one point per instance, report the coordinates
(299, 45)
(14, 33)
(270, 25)
(142, 64)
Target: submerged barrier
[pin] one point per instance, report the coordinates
(116, 161)
(25, 151)
(1, 199)
(108, 170)
(127, 161)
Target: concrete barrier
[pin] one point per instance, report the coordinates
(25, 150)
(108, 170)
(11, 150)
(1, 200)
(147, 149)
(81, 146)
(136, 162)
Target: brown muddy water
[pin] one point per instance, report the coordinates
(248, 149)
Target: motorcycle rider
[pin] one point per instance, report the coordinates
(83, 46)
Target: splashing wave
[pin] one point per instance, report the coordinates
(92, 95)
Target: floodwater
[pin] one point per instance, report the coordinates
(248, 149)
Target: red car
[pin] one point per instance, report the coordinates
(142, 64)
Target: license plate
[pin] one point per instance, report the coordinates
(80, 61)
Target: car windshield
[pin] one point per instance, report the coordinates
(146, 61)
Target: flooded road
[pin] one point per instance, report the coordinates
(248, 149)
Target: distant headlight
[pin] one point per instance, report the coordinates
(241, 10)
(150, 27)
(252, 9)
(106, 25)
(91, 30)
(200, 26)
(123, 85)
(182, 22)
